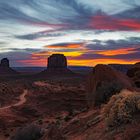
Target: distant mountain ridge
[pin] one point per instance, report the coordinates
(121, 67)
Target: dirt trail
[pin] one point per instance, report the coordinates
(21, 101)
(42, 84)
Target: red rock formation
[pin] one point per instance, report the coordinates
(134, 73)
(57, 64)
(57, 61)
(103, 82)
(4, 62)
(5, 68)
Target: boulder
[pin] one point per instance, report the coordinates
(103, 82)
(134, 74)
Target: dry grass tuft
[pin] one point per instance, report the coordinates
(121, 108)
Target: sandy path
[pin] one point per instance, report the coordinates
(21, 101)
(42, 84)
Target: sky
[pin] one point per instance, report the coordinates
(87, 32)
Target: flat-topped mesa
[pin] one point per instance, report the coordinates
(57, 61)
(57, 65)
(4, 63)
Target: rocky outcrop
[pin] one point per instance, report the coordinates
(121, 67)
(57, 64)
(5, 68)
(53, 133)
(134, 73)
(103, 82)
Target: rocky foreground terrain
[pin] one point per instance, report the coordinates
(102, 105)
(54, 111)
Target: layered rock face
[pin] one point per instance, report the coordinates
(57, 61)
(57, 64)
(134, 73)
(5, 68)
(103, 82)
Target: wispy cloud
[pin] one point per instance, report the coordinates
(81, 29)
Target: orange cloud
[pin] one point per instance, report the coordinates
(71, 46)
(94, 62)
(118, 51)
(76, 57)
(45, 54)
(74, 62)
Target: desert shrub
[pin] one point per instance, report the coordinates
(7, 88)
(137, 83)
(67, 118)
(40, 121)
(9, 91)
(31, 132)
(105, 90)
(121, 108)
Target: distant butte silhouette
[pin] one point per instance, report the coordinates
(57, 64)
(5, 68)
(56, 61)
(4, 62)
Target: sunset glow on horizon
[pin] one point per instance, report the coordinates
(86, 32)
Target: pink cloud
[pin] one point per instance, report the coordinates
(104, 22)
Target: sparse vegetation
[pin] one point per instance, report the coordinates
(121, 108)
(9, 89)
(105, 90)
(67, 118)
(31, 132)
